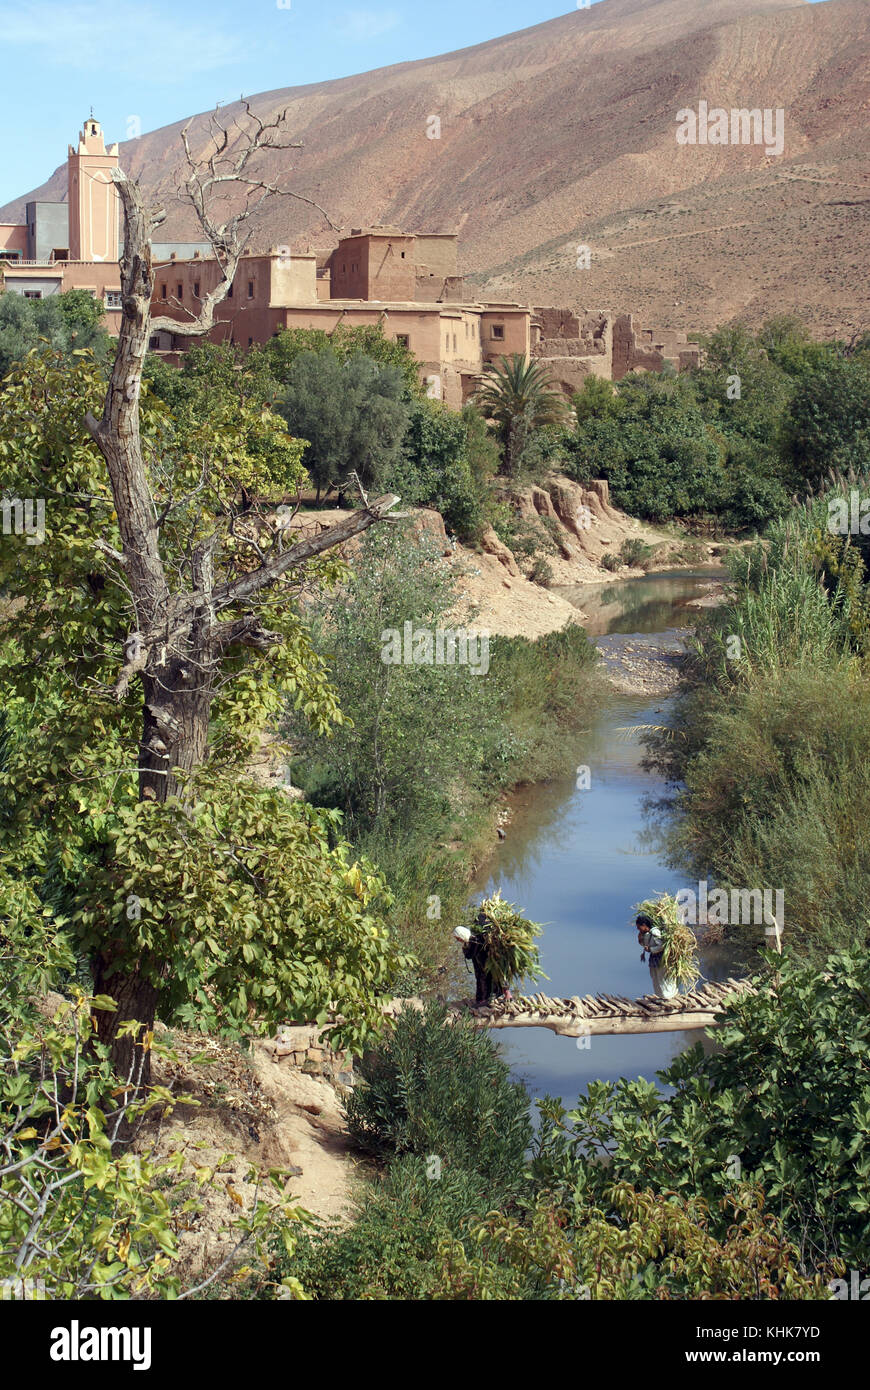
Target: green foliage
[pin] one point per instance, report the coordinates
(412, 724)
(344, 342)
(392, 1250)
(769, 765)
(520, 399)
(635, 552)
(447, 462)
(353, 413)
(251, 915)
(438, 1088)
(220, 403)
(596, 399)
(512, 955)
(766, 413)
(636, 1245)
(783, 1102)
(254, 907)
(654, 448)
(86, 1209)
(66, 322)
(828, 423)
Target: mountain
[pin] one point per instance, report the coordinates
(565, 134)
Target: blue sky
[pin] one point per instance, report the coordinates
(160, 60)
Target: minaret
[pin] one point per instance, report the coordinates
(93, 198)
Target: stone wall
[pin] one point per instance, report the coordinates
(648, 349)
(306, 1045)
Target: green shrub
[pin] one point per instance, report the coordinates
(439, 1089)
(392, 1249)
(783, 1103)
(635, 552)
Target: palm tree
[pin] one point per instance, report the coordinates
(519, 396)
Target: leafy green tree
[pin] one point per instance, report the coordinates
(654, 447)
(202, 936)
(343, 342)
(447, 462)
(65, 321)
(596, 399)
(636, 1245)
(352, 413)
(413, 724)
(827, 426)
(82, 1215)
(519, 397)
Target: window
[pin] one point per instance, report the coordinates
(250, 342)
(454, 342)
(230, 292)
(113, 299)
(250, 289)
(403, 340)
(162, 291)
(180, 290)
(154, 342)
(403, 255)
(60, 253)
(497, 330)
(33, 294)
(196, 289)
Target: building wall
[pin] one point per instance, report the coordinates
(47, 230)
(648, 349)
(437, 252)
(179, 250)
(515, 326)
(31, 280)
(293, 280)
(13, 237)
(374, 266)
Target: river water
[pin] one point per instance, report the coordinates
(577, 859)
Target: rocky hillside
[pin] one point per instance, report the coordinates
(565, 133)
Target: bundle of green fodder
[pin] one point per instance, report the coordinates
(680, 954)
(510, 941)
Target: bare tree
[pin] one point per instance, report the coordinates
(185, 625)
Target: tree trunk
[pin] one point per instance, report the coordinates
(136, 998)
(180, 638)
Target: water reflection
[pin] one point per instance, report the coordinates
(578, 860)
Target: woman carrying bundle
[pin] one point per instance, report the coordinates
(651, 939)
(475, 949)
(501, 947)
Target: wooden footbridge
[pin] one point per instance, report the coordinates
(607, 1013)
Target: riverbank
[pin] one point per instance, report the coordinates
(581, 538)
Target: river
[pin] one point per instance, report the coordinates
(578, 858)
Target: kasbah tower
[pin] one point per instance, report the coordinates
(93, 198)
